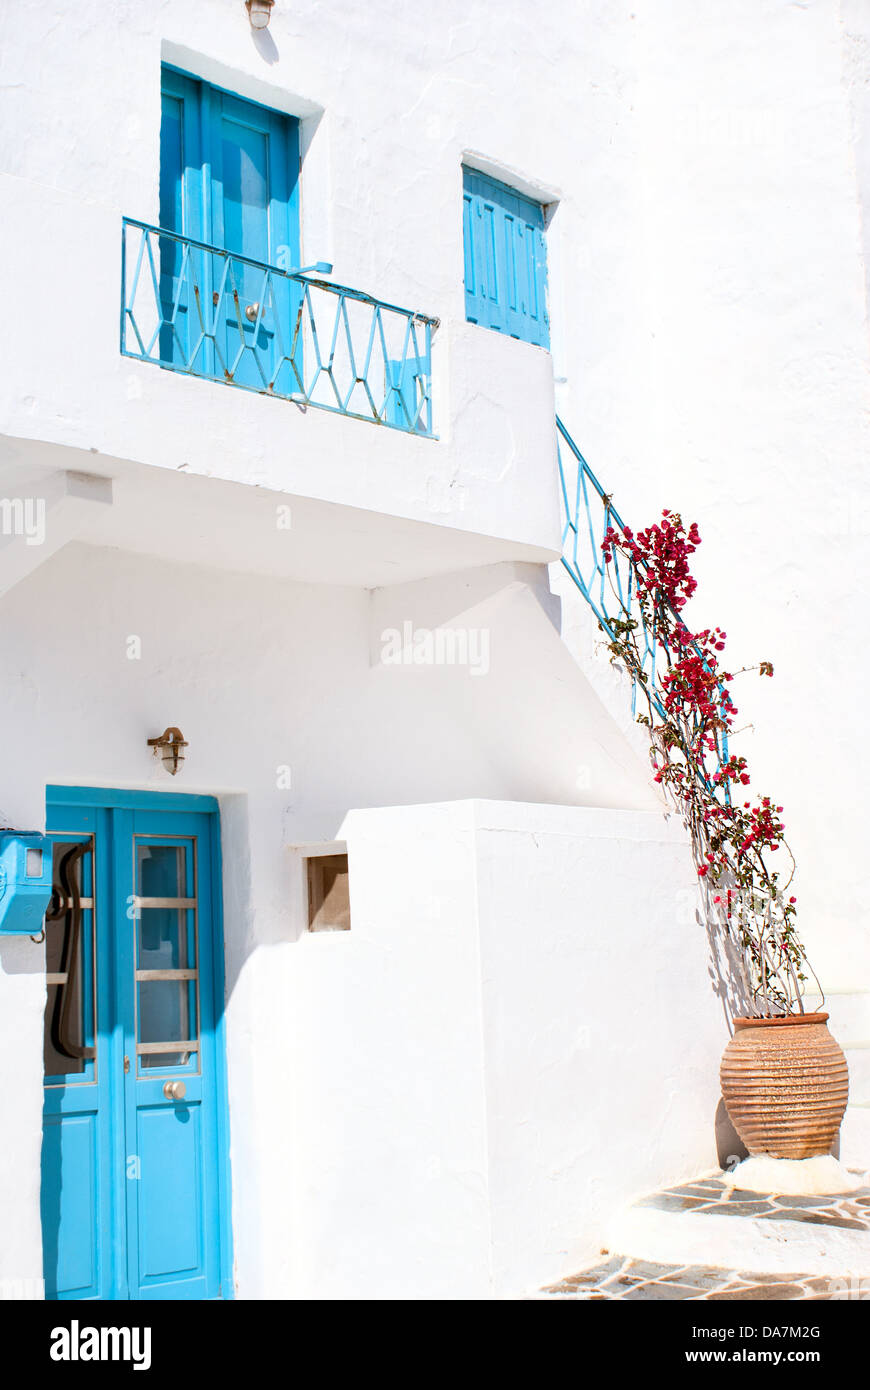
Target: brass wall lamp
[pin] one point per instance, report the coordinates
(259, 12)
(169, 748)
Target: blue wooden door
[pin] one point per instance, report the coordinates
(134, 1167)
(229, 174)
(254, 153)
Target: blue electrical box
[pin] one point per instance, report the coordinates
(25, 882)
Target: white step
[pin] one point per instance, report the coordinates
(751, 1241)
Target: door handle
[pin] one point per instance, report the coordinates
(174, 1090)
(252, 311)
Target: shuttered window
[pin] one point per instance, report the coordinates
(505, 259)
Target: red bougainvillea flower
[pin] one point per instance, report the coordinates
(691, 714)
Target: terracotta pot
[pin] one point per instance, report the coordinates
(785, 1083)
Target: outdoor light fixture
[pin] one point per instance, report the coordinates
(168, 747)
(259, 12)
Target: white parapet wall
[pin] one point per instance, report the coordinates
(517, 1035)
(602, 1031)
(22, 1003)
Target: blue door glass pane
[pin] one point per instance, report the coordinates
(505, 259)
(162, 938)
(162, 930)
(161, 871)
(166, 1008)
(164, 1013)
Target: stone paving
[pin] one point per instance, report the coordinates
(624, 1278)
(711, 1197)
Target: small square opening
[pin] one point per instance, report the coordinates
(328, 893)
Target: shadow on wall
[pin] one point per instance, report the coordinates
(729, 988)
(238, 898)
(19, 955)
(730, 1148)
(725, 968)
(265, 45)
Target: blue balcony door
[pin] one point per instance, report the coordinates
(135, 1200)
(229, 177)
(183, 271)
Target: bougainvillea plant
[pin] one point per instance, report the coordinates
(685, 684)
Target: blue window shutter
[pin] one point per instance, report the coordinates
(505, 259)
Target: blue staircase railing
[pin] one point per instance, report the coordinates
(207, 312)
(609, 589)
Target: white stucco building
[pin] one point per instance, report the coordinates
(651, 219)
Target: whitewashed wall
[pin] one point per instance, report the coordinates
(707, 302)
(709, 323)
(274, 682)
(601, 1033)
(492, 469)
(722, 369)
(707, 297)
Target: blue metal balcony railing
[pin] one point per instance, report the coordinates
(609, 589)
(197, 309)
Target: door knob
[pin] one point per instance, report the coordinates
(174, 1090)
(252, 311)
